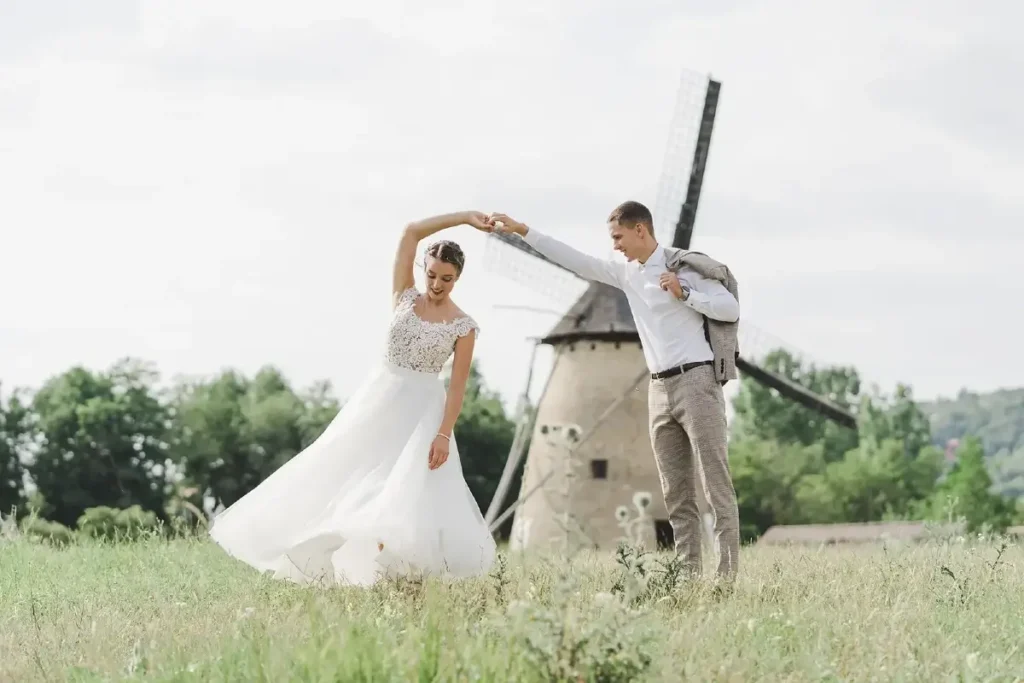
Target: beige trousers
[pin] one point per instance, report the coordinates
(689, 436)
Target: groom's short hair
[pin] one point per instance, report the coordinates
(632, 213)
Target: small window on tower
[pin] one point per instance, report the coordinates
(663, 534)
(599, 469)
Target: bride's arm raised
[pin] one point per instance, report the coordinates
(420, 230)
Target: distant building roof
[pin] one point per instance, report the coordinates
(866, 532)
(601, 313)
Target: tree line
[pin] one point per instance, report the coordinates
(115, 440)
(792, 466)
(96, 450)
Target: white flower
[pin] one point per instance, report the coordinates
(573, 433)
(642, 500)
(622, 513)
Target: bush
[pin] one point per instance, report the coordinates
(112, 524)
(53, 533)
(566, 639)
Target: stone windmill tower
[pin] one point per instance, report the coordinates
(589, 449)
(598, 371)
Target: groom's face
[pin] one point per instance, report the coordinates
(627, 239)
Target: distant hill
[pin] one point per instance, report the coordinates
(997, 418)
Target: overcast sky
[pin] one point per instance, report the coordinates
(213, 184)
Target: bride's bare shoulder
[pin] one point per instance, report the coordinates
(457, 313)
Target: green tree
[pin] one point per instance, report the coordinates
(870, 483)
(967, 491)
(767, 476)
(102, 441)
(898, 418)
(894, 466)
(792, 484)
(762, 413)
(793, 466)
(230, 432)
(15, 436)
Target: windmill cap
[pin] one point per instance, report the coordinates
(601, 313)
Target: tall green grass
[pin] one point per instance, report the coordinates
(181, 610)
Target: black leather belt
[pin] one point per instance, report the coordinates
(680, 369)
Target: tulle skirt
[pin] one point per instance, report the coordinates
(365, 480)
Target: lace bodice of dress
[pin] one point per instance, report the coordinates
(418, 344)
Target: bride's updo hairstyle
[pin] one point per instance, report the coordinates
(447, 251)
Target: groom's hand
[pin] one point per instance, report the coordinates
(505, 223)
(670, 283)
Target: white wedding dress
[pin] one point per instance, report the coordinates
(366, 480)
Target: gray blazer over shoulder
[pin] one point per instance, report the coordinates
(723, 336)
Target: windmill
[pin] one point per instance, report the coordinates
(589, 450)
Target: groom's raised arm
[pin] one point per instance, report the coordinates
(586, 266)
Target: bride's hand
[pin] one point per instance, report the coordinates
(438, 452)
(479, 220)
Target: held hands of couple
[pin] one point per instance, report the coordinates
(495, 222)
(438, 452)
(478, 219)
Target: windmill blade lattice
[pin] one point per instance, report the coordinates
(511, 257)
(678, 163)
(756, 343)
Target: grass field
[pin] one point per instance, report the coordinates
(182, 610)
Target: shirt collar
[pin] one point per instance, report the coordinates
(657, 259)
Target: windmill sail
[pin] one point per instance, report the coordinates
(695, 130)
(797, 392)
(682, 172)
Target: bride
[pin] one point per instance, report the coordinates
(381, 491)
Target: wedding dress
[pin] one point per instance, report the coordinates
(365, 481)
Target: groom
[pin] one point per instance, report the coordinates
(686, 310)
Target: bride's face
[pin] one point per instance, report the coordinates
(441, 278)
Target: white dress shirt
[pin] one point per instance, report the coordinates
(671, 330)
